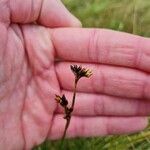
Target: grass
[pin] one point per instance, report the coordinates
(124, 15)
(132, 16)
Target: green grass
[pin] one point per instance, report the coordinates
(131, 16)
(140, 141)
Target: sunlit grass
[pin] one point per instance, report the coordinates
(131, 16)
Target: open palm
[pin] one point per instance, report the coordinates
(34, 66)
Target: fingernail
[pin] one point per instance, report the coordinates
(76, 22)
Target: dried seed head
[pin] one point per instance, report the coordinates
(80, 72)
(61, 100)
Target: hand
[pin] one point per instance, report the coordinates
(27, 77)
(115, 100)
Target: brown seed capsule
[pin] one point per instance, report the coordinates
(80, 72)
(61, 100)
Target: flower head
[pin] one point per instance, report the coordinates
(61, 100)
(80, 72)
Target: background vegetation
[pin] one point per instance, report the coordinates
(131, 16)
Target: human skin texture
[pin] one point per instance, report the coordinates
(115, 100)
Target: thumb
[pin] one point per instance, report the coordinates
(50, 13)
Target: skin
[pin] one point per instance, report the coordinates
(115, 100)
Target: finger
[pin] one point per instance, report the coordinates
(51, 13)
(95, 105)
(103, 46)
(96, 126)
(115, 81)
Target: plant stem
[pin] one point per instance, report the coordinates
(68, 114)
(74, 94)
(66, 127)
